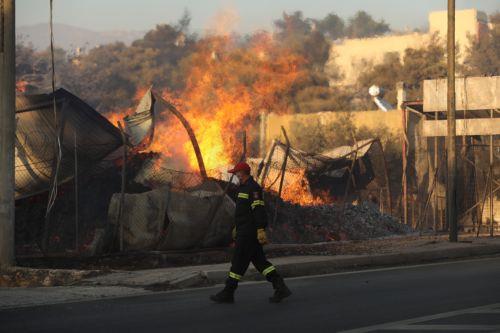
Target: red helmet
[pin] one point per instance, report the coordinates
(242, 166)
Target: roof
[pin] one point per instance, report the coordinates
(362, 147)
(36, 134)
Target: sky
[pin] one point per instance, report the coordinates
(244, 15)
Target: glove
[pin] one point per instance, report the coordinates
(261, 236)
(233, 233)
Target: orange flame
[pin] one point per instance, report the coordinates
(227, 87)
(116, 116)
(21, 86)
(297, 190)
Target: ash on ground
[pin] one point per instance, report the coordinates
(320, 223)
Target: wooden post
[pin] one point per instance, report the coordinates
(351, 175)
(268, 161)
(451, 184)
(7, 131)
(283, 171)
(122, 192)
(76, 194)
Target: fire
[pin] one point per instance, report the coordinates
(21, 86)
(227, 87)
(296, 190)
(116, 116)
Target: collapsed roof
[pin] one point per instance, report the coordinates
(79, 128)
(328, 171)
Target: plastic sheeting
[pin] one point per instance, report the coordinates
(36, 133)
(164, 219)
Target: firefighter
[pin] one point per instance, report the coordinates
(250, 235)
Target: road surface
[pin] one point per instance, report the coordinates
(449, 296)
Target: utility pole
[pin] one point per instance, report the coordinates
(7, 131)
(451, 184)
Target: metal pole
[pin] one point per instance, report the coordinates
(7, 131)
(76, 195)
(190, 132)
(451, 184)
(436, 157)
(404, 180)
(491, 181)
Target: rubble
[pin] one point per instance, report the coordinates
(328, 222)
(33, 277)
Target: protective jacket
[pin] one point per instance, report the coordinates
(250, 212)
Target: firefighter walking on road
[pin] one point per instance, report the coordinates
(250, 235)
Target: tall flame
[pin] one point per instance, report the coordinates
(227, 86)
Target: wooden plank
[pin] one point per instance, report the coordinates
(472, 93)
(483, 126)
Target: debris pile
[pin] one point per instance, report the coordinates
(321, 223)
(30, 277)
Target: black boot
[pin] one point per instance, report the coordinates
(281, 291)
(226, 295)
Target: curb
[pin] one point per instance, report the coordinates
(332, 265)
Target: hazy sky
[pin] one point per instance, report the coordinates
(248, 15)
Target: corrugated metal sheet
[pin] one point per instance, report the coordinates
(362, 148)
(140, 125)
(36, 137)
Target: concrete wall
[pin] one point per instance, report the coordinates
(370, 119)
(468, 22)
(349, 55)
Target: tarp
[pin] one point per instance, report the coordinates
(166, 219)
(36, 134)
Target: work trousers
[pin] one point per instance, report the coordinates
(246, 250)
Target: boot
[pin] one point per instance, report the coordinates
(226, 295)
(281, 291)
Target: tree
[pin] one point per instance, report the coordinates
(424, 63)
(416, 65)
(384, 75)
(483, 56)
(108, 77)
(290, 25)
(362, 25)
(331, 26)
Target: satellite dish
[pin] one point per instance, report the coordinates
(374, 91)
(377, 93)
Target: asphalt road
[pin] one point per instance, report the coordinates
(328, 303)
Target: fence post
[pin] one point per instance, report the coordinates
(283, 171)
(7, 133)
(76, 194)
(122, 192)
(491, 181)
